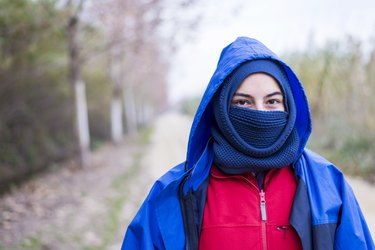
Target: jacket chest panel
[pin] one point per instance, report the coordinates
(233, 212)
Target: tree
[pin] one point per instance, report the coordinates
(137, 66)
(81, 115)
(35, 108)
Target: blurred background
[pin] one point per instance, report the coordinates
(83, 82)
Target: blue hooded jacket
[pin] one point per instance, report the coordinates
(325, 212)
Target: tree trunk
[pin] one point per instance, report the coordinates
(81, 115)
(82, 121)
(116, 119)
(130, 112)
(115, 74)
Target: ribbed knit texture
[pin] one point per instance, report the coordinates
(258, 128)
(248, 140)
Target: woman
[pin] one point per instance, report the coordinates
(248, 181)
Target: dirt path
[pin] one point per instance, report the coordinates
(91, 208)
(70, 208)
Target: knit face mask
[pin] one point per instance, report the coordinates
(260, 129)
(248, 140)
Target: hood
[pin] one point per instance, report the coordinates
(241, 50)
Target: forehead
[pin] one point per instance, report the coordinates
(259, 82)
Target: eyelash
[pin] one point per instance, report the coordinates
(276, 101)
(241, 102)
(248, 102)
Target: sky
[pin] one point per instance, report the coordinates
(282, 25)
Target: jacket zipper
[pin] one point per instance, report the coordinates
(185, 216)
(263, 217)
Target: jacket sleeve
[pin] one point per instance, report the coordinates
(352, 230)
(338, 222)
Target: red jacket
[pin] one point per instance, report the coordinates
(237, 215)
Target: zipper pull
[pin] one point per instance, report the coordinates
(263, 205)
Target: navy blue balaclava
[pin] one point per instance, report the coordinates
(247, 140)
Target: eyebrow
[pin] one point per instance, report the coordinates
(249, 96)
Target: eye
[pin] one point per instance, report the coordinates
(241, 102)
(275, 104)
(274, 101)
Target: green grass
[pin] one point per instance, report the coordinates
(115, 205)
(353, 155)
(145, 135)
(112, 224)
(31, 242)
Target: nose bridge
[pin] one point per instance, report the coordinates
(259, 105)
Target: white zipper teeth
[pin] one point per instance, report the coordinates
(263, 206)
